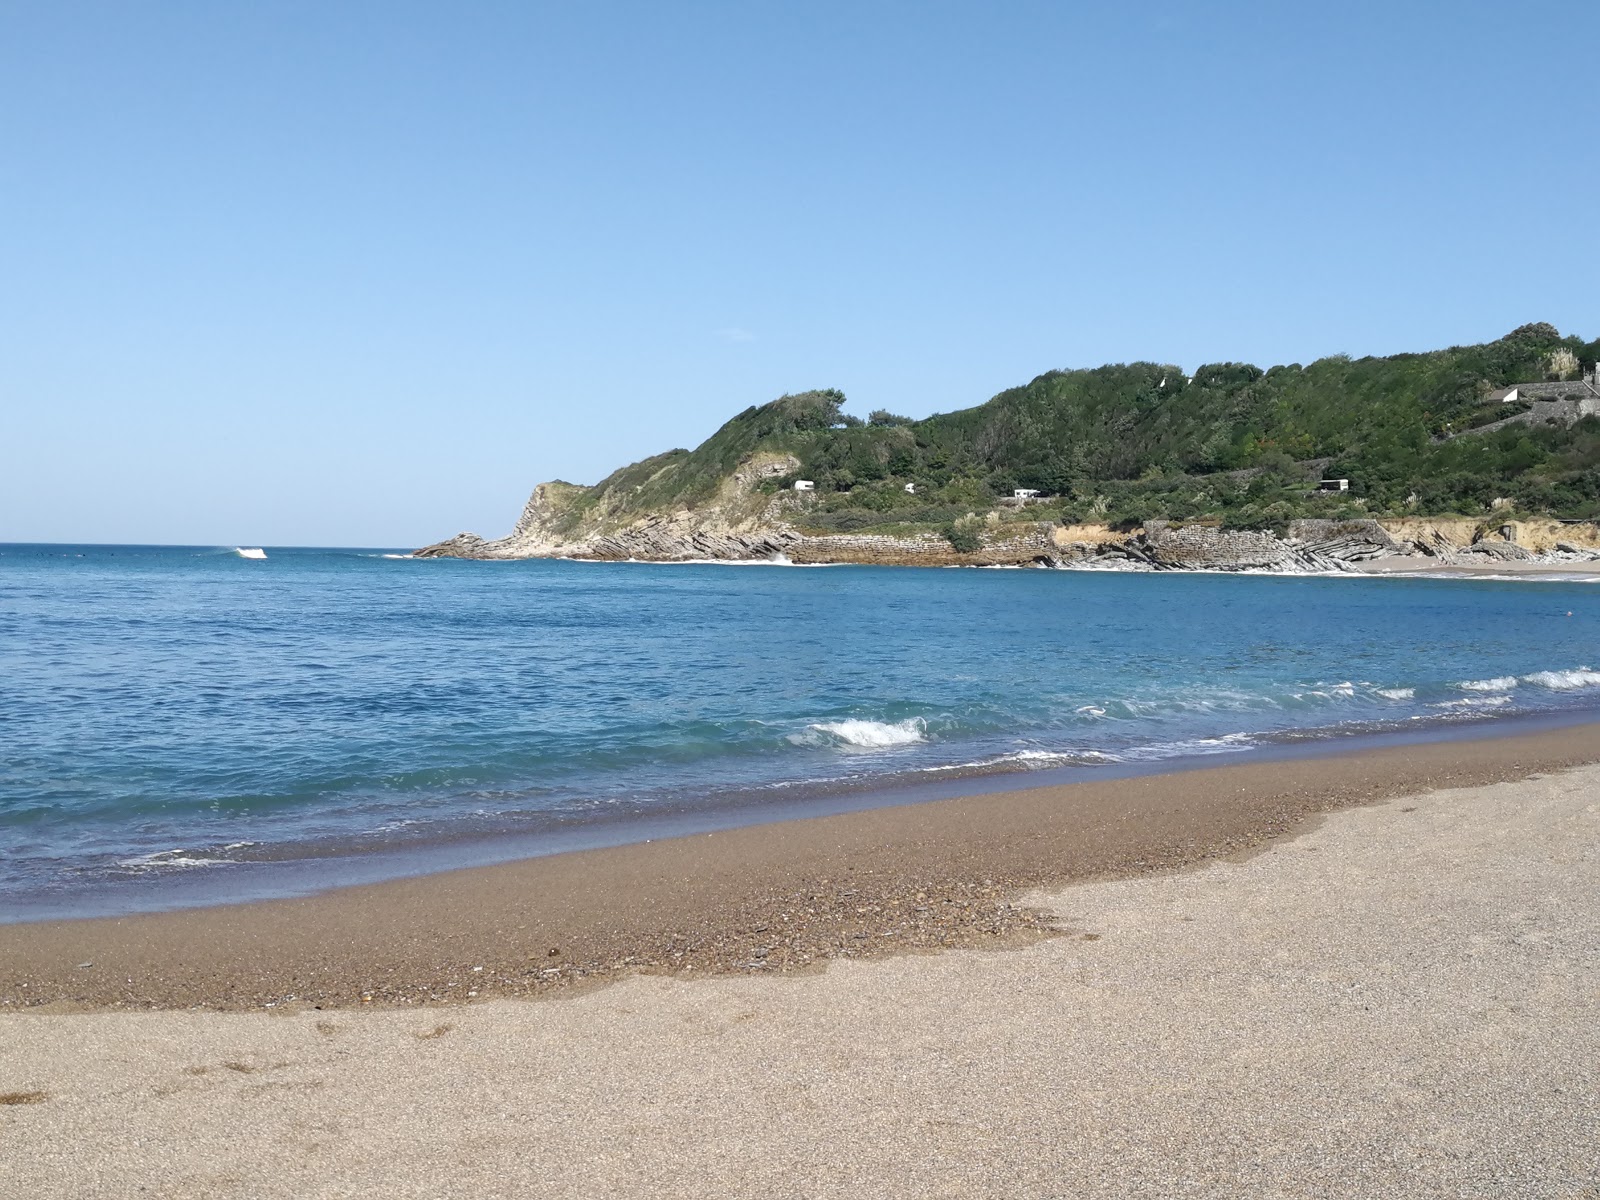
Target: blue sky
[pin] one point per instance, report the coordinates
(348, 273)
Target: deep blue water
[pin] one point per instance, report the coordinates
(174, 714)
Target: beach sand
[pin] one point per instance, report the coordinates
(1402, 1001)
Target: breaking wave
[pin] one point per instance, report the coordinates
(1564, 681)
(864, 735)
(1500, 683)
(170, 859)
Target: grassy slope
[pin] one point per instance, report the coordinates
(1134, 441)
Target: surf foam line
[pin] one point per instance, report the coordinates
(1564, 681)
(1571, 680)
(861, 734)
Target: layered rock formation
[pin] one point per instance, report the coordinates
(743, 522)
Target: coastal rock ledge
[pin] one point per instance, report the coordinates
(744, 523)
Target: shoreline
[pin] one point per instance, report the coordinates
(1519, 570)
(250, 881)
(757, 899)
(1393, 565)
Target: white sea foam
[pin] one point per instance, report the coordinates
(1228, 743)
(1397, 693)
(1474, 702)
(162, 859)
(774, 560)
(1500, 683)
(1090, 710)
(397, 556)
(865, 735)
(1564, 681)
(1030, 760)
(255, 552)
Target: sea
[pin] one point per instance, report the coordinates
(197, 725)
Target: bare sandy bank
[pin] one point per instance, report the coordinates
(1404, 1001)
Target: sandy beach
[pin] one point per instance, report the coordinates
(1401, 998)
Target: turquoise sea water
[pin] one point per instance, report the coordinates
(181, 725)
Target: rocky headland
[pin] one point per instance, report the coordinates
(746, 524)
(1132, 466)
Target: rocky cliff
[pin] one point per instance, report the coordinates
(743, 522)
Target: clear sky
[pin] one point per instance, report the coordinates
(348, 273)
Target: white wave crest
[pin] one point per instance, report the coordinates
(870, 735)
(1397, 693)
(1564, 681)
(255, 552)
(397, 556)
(162, 859)
(1228, 743)
(1474, 702)
(1500, 683)
(1030, 760)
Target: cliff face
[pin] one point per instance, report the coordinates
(738, 522)
(744, 523)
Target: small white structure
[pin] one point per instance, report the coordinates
(1504, 395)
(911, 489)
(1333, 485)
(804, 485)
(1024, 493)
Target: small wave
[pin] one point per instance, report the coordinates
(1228, 743)
(1500, 683)
(1029, 760)
(1564, 681)
(864, 735)
(254, 552)
(1397, 693)
(1090, 710)
(1474, 702)
(162, 859)
(397, 556)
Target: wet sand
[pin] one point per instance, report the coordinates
(768, 899)
(1403, 1001)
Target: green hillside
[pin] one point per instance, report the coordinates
(1142, 440)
